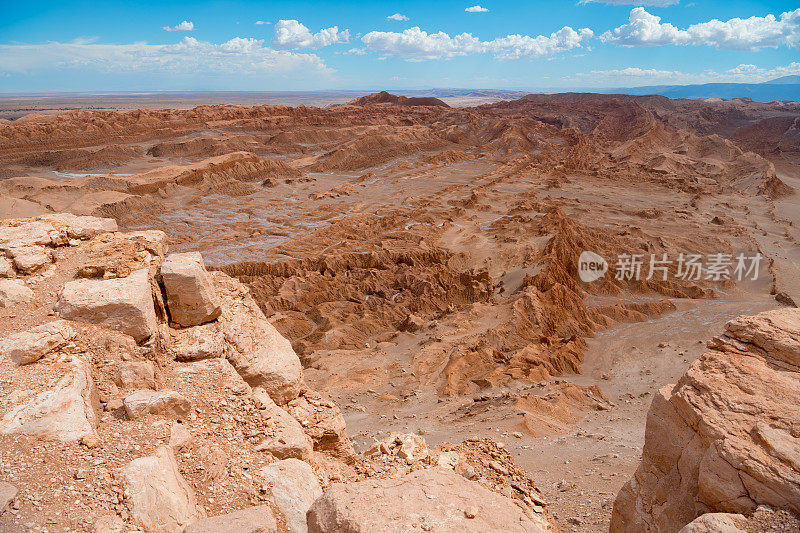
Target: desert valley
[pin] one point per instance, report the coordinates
(375, 316)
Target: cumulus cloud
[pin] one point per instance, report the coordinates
(398, 17)
(476, 9)
(292, 34)
(236, 56)
(753, 33)
(261, 22)
(415, 44)
(183, 26)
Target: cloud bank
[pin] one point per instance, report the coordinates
(415, 44)
(238, 56)
(753, 33)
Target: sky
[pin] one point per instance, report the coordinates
(287, 46)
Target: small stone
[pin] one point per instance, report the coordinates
(136, 375)
(471, 512)
(179, 436)
(166, 403)
(499, 468)
(90, 441)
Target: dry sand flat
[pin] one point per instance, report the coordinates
(422, 259)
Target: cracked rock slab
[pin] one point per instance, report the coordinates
(63, 413)
(122, 304)
(29, 346)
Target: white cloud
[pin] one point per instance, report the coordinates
(292, 34)
(652, 3)
(520, 46)
(238, 55)
(398, 17)
(753, 33)
(183, 26)
(476, 9)
(261, 22)
(754, 74)
(744, 73)
(415, 44)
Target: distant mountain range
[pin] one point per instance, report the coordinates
(783, 88)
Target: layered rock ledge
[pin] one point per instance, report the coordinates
(726, 437)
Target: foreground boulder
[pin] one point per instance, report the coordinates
(293, 487)
(191, 298)
(435, 499)
(135, 375)
(29, 259)
(65, 412)
(29, 346)
(161, 500)
(122, 304)
(715, 523)
(14, 292)
(725, 438)
(253, 520)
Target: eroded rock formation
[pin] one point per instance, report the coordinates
(725, 438)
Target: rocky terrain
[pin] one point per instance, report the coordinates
(385, 295)
(162, 399)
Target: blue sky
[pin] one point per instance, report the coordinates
(220, 45)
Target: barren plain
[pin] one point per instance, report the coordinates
(422, 258)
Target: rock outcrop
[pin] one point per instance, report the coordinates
(715, 523)
(725, 438)
(284, 436)
(197, 409)
(164, 403)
